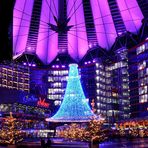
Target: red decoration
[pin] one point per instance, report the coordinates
(42, 103)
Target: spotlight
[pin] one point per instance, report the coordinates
(29, 48)
(33, 65)
(90, 45)
(47, 119)
(119, 33)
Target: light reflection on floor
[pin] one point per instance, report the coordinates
(118, 143)
(126, 143)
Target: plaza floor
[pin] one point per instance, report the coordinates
(116, 143)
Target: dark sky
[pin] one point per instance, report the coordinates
(6, 17)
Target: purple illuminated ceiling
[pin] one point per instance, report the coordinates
(42, 37)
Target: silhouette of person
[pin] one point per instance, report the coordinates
(48, 144)
(43, 143)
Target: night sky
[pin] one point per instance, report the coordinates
(6, 17)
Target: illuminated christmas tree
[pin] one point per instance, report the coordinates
(10, 134)
(93, 131)
(74, 107)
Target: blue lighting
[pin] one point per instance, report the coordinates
(74, 107)
(29, 99)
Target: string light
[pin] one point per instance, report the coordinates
(137, 128)
(92, 131)
(10, 134)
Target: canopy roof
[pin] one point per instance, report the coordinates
(48, 27)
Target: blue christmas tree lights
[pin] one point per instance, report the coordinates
(74, 107)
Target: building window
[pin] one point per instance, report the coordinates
(114, 94)
(57, 102)
(97, 65)
(142, 65)
(141, 49)
(143, 98)
(142, 90)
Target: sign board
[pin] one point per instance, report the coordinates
(42, 103)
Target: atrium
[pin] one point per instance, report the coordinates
(105, 41)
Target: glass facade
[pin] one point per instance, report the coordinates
(57, 80)
(138, 70)
(108, 85)
(96, 81)
(15, 76)
(120, 84)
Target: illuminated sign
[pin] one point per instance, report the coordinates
(29, 99)
(42, 103)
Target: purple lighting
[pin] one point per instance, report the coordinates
(95, 44)
(21, 17)
(106, 33)
(63, 66)
(24, 63)
(29, 48)
(90, 45)
(94, 61)
(119, 33)
(34, 65)
(131, 14)
(46, 47)
(77, 37)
